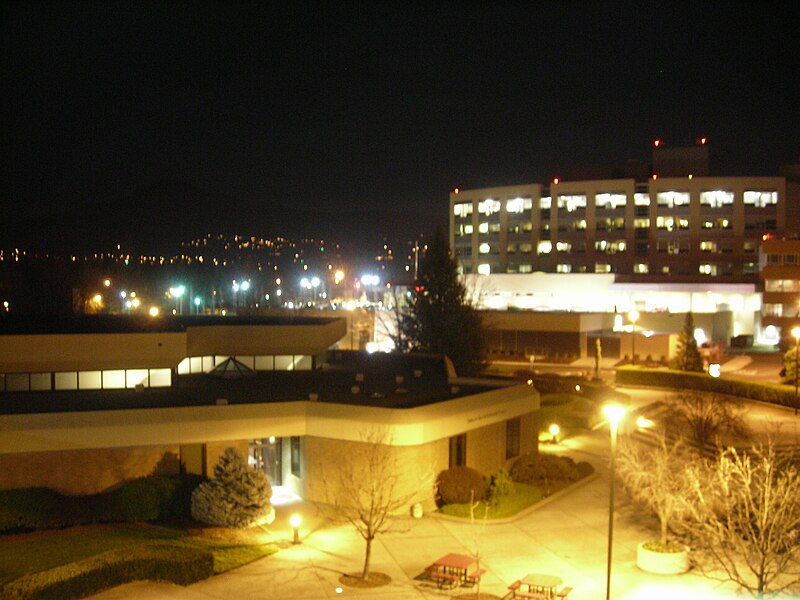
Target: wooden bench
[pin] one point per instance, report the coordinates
(443, 579)
(561, 595)
(475, 576)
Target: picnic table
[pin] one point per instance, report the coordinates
(536, 586)
(452, 570)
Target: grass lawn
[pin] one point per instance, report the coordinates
(524, 496)
(27, 553)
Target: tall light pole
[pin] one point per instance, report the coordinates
(796, 334)
(614, 413)
(633, 316)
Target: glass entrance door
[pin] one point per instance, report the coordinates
(265, 455)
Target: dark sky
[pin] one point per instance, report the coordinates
(369, 105)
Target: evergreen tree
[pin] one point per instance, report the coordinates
(237, 496)
(790, 361)
(687, 356)
(440, 318)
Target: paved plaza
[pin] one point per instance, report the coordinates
(565, 535)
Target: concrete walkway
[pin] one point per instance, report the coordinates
(566, 535)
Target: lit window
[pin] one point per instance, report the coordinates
(672, 199)
(525, 268)
(640, 199)
(708, 247)
(545, 202)
(760, 199)
(716, 198)
(641, 223)
(640, 268)
(544, 247)
(602, 268)
(562, 268)
(707, 269)
(484, 269)
(484, 248)
(610, 200)
(462, 209)
(563, 246)
(483, 228)
(489, 207)
(667, 223)
(525, 248)
(518, 205)
(467, 229)
(571, 202)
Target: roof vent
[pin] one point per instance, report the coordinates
(417, 373)
(359, 377)
(455, 389)
(313, 396)
(399, 379)
(221, 401)
(355, 390)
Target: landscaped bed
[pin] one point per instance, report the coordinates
(73, 562)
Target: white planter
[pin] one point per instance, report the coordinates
(663, 563)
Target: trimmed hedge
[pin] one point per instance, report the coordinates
(772, 393)
(537, 469)
(182, 565)
(458, 485)
(152, 498)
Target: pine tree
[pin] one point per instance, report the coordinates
(237, 496)
(790, 361)
(440, 318)
(687, 356)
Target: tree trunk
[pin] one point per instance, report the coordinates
(368, 554)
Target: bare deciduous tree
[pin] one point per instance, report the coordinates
(745, 519)
(705, 417)
(655, 478)
(366, 490)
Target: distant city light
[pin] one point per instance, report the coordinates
(107, 282)
(153, 312)
(370, 279)
(245, 286)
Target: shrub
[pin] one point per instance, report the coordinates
(538, 469)
(501, 485)
(179, 564)
(151, 498)
(238, 496)
(458, 485)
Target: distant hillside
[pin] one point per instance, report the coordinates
(157, 219)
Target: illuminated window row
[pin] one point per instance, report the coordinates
(282, 362)
(114, 379)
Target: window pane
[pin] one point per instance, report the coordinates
(67, 380)
(41, 382)
(160, 377)
(114, 380)
(89, 380)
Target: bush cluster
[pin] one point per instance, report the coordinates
(459, 485)
(152, 498)
(179, 564)
(542, 469)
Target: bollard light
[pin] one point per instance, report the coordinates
(295, 522)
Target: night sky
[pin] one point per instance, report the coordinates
(376, 106)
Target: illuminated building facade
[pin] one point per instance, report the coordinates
(780, 275)
(691, 227)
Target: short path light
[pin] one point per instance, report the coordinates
(295, 522)
(554, 430)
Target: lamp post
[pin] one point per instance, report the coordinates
(614, 413)
(796, 334)
(295, 522)
(633, 316)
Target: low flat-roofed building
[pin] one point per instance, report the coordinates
(89, 402)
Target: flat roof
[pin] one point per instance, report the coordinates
(355, 378)
(78, 324)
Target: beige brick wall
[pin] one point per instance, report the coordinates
(214, 450)
(78, 472)
(417, 466)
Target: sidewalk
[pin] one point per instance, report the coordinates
(566, 536)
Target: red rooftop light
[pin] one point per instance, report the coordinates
(656, 143)
(702, 141)
(455, 191)
(556, 180)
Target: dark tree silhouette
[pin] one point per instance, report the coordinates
(687, 356)
(440, 317)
